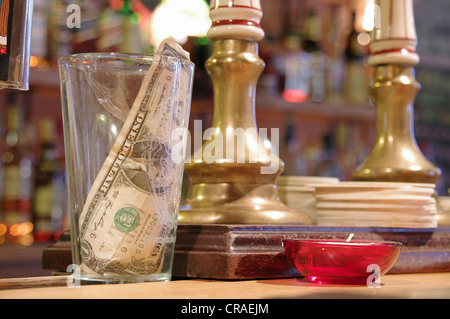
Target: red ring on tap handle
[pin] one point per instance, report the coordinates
(393, 51)
(235, 22)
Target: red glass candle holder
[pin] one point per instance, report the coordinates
(330, 261)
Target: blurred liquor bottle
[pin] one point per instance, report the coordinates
(312, 35)
(49, 186)
(119, 29)
(339, 153)
(131, 32)
(290, 154)
(295, 68)
(335, 75)
(86, 35)
(356, 84)
(328, 165)
(39, 38)
(110, 30)
(17, 173)
(60, 36)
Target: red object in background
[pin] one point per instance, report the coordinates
(294, 96)
(329, 261)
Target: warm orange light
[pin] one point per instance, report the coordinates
(14, 230)
(3, 229)
(26, 227)
(26, 240)
(37, 62)
(34, 61)
(21, 229)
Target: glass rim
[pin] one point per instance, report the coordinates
(343, 242)
(90, 57)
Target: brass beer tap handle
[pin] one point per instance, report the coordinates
(232, 176)
(395, 155)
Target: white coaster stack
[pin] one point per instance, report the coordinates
(444, 203)
(297, 192)
(376, 204)
(444, 210)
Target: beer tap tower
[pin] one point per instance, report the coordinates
(236, 189)
(395, 155)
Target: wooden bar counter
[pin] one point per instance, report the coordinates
(393, 286)
(422, 271)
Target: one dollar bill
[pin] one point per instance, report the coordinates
(130, 215)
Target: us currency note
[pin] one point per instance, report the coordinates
(129, 217)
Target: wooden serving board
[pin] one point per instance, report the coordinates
(215, 251)
(255, 251)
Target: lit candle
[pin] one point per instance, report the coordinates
(394, 40)
(235, 19)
